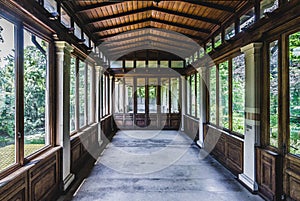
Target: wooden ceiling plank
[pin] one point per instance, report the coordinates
(211, 5)
(185, 15)
(206, 31)
(82, 9)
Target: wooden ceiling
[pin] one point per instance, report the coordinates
(119, 24)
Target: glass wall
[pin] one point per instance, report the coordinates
(213, 95)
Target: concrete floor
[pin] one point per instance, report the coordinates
(159, 165)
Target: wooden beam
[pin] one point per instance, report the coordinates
(190, 16)
(81, 9)
(197, 38)
(211, 5)
(206, 31)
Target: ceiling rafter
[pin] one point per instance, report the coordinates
(151, 19)
(153, 8)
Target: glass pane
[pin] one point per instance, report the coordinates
(129, 64)
(72, 93)
(273, 51)
(212, 95)
(229, 32)
(140, 91)
(164, 64)
(199, 87)
(208, 47)
(223, 94)
(35, 72)
(164, 95)
(174, 95)
(129, 95)
(140, 64)
(196, 55)
(116, 64)
(87, 40)
(65, 18)
(50, 5)
(294, 74)
(218, 40)
(267, 6)
(77, 31)
(188, 95)
(247, 19)
(152, 64)
(238, 93)
(201, 52)
(193, 95)
(88, 93)
(81, 94)
(152, 82)
(7, 94)
(177, 64)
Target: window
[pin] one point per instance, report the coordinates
(77, 31)
(188, 95)
(129, 64)
(129, 95)
(238, 93)
(230, 32)
(213, 95)
(208, 46)
(87, 40)
(73, 94)
(164, 95)
(164, 64)
(196, 56)
(218, 40)
(35, 88)
(82, 120)
(247, 19)
(223, 95)
(7, 94)
(201, 52)
(116, 64)
(152, 83)
(140, 64)
(267, 6)
(193, 95)
(198, 94)
(174, 95)
(118, 92)
(152, 64)
(65, 18)
(50, 5)
(177, 64)
(141, 95)
(89, 93)
(294, 82)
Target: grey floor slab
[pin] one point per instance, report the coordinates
(159, 165)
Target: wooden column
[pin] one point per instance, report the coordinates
(252, 112)
(63, 53)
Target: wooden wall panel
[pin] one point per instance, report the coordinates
(14, 187)
(292, 177)
(191, 127)
(225, 147)
(269, 174)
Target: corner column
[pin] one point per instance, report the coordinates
(252, 112)
(63, 62)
